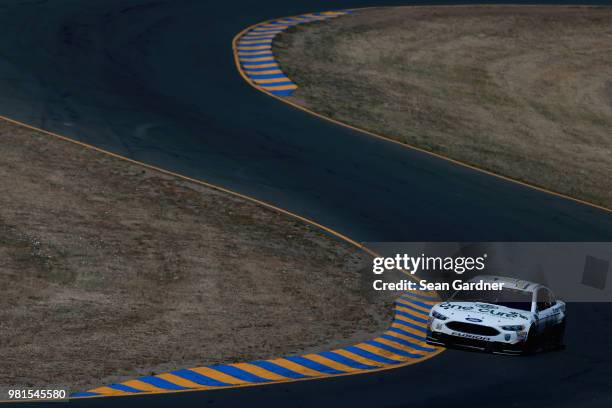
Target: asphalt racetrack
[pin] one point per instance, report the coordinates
(155, 81)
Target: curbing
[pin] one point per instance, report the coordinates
(403, 343)
(253, 51)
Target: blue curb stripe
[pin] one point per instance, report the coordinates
(84, 394)
(160, 383)
(371, 356)
(244, 55)
(313, 365)
(258, 63)
(254, 74)
(286, 92)
(199, 378)
(413, 317)
(276, 369)
(254, 37)
(265, 39)
(239, 373)
(255, 34)
(257, 44)
(268, 31)
(258, 59)
(392, 349)
(408, 324)
(408, 334)
(268, 57)
(406, 343)
(246, 59)
(425, 305)
(262, 50)
(267, 76)
(270, 85)
(245, 47)
(261, 69)
(125, 388)
(346, 361)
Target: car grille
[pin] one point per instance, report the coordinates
(472, 328)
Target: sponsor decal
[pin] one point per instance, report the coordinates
(484, 309)
(470, 336)
(485, 306)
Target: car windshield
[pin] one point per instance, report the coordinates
(514, 298)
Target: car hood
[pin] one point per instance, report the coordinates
(483, 313)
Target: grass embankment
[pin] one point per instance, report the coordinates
(111, 271)
(525, 92)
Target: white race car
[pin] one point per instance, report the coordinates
(514, 320)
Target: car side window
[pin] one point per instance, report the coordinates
(551, 298)
(545, 299)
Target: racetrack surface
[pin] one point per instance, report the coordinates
(155, 81)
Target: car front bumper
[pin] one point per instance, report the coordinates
(499, 347)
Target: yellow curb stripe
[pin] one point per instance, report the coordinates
(273, 26)
(183, 382)
(142, 386)
(246, 54)
(382, 352)
(218, 375)
(260, 372)
(255, 36)
(330, 363)
(408, 338)
(263, 65)
(257, 59)
(266, 72)
(408, 303)
(407, 329)
(409, 320)
(254, 47)
(109, 391)
(358, 358)
(401, 346)
(298, 368)
(412, 312)
(267, 31)
(248, 42)
(280, 87)
(271, 80)
(315, 17)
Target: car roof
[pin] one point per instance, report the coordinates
(512, 283)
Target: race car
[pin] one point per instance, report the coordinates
(518, 319)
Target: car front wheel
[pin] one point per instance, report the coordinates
(559, 334)
(531, 344)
